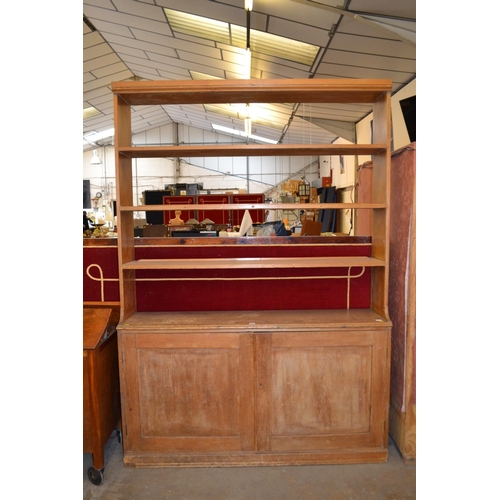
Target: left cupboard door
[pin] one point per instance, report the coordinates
(188, 393)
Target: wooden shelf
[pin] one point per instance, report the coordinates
(251, 321)
(250, 150)
(365, 91)
(165, 93)
(254, 263)
(300, 90)
(255, 206)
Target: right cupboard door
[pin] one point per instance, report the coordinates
(322, 390)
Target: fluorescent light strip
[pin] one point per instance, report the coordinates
(241, 133)
(248, 126)
(248, 64)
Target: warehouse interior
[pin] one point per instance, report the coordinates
(257, 40)
(132, 64)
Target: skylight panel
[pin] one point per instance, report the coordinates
(240, 133)
(97, 136)
(90, 112)
(202, 27)
(260, 42)
(274, 45)
(195, 75)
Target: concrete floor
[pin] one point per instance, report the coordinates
(393, 480)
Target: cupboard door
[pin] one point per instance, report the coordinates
(322, 391)
(188, 392)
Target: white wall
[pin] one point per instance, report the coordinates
(400, 134)
(347, 180)
(220, 174)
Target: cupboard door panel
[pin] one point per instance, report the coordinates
(322, 391)
(192, 396)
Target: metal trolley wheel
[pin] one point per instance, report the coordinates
(96, 476)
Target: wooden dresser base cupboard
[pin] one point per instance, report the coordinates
(254, 388)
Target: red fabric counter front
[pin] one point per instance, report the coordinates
(219, 290)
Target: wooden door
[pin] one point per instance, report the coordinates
(188, 392)
(322, 391)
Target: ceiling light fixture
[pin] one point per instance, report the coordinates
(248, 64)
(95, 158)
(248, 55)
(248, 121)
(248, 126)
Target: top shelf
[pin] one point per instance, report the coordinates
(303, 90)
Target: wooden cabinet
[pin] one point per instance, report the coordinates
(254, 387)
(101, 393)
(265, 390)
